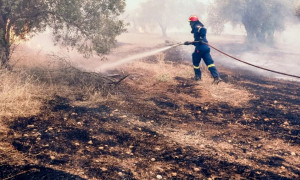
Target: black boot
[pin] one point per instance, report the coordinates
(217, 80)
(197, 78)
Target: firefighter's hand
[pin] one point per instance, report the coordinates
(187, 43)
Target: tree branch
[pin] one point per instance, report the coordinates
(1, 16)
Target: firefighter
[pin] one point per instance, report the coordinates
(202, 51)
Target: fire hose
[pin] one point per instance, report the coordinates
(237, 59)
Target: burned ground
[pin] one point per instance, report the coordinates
(159, 133)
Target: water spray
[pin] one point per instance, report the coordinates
(112, 65)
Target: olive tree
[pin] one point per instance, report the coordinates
(260, 18)
(90, 26)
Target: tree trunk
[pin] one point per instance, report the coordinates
(164, 32)
(163, 29)
(4, 41)
(4, 56)
(4, 49)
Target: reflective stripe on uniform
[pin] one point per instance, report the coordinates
(199, 28)
(211, 65)
(196, 67)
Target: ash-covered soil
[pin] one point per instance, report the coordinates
(171, 131)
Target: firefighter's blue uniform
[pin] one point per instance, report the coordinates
(202, 51)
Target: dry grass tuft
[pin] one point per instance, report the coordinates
(19, 94)
(164, 72)
(227, 92)
(161, 71)
(23, 92)
(82, 88)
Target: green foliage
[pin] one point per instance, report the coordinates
(87, 25)
(260, 18)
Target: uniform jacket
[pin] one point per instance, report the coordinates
(200, 35)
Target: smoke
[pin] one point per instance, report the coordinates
(281, 55)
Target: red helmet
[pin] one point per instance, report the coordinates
(193, 18)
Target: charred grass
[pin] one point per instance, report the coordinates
(28, 93)
(148, 128)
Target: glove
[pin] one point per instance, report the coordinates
(187, 43)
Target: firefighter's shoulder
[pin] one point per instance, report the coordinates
(199, 28)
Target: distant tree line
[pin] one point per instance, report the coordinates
(260, 18)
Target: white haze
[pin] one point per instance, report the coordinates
(283, 56)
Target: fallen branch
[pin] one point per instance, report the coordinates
(119, 81)
(68, 65)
